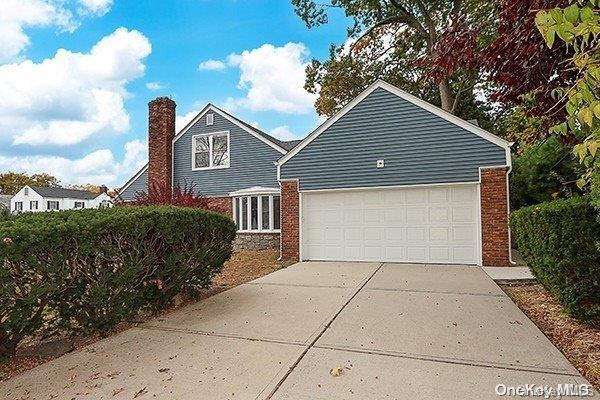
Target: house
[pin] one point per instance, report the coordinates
(37, 198)
(390, 178)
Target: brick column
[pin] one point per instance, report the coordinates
(161, 131)
(494, 217)
(290, 221)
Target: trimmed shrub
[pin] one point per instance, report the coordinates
(543, 173)
(87, 270)
(560, 242)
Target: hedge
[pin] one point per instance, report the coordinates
(87, 270)
(560, 242)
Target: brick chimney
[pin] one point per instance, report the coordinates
(161, 131)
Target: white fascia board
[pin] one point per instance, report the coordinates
(256, 190)
(216, 110)
(408, 97)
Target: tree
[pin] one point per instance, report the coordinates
(578, 27)
(521, 69)
(90, 187)
(12, 182)
(543, 172)
(401, 41)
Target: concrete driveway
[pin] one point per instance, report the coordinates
(398, 331)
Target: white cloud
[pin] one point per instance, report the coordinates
(182, 120)
(67, 99)
(16, 15)
(273, 78)
(154, 86)
(98, 167)
(96, 7)
(283, 133)
(212, 65)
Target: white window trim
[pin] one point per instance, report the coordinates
(210, 119)
(210, 151)
(248, 215)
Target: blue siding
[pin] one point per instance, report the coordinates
(251, 163)
(138, 185)
(418, 148)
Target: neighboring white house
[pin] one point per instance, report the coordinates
(35, 199)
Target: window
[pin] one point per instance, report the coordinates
(19, 206)
(210, 119)
(26, 191)
(33, 205)
(210, 151)
(257, 213)
(79, 204)
(53, 205)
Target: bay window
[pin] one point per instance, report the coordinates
(257, 213)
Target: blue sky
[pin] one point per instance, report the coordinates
(76, 76)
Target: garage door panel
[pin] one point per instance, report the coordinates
(353, 216)
(462, 234)
(416, 254)
(416, 196)
(439, 215)
(416, 214)
(395, 253)
(439, 196)
(439, 234)
(463, 255)
(427, 225)
(439, 254)
(394, 234)
(463, 194)
(374, 216)
(462, 214)
(415, 234)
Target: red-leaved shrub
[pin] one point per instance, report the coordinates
(185, 196)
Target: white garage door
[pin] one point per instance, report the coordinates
(436, 224)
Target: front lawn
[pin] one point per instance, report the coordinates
(577, 340)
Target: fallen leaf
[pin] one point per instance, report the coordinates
(163, 370)
(337, 371)
(140, 392)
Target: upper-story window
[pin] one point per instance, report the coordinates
(210, 119)
(210, 150)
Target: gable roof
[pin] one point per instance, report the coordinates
(277, 144)
(131, 180)
(408, 97)
(60, 193)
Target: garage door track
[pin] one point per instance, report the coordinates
(395, 331)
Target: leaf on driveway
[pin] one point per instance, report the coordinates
(140, 392)
(164, 369)
(337, 371)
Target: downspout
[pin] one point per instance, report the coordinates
(510, 255)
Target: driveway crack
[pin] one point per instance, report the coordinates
(311, 344)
